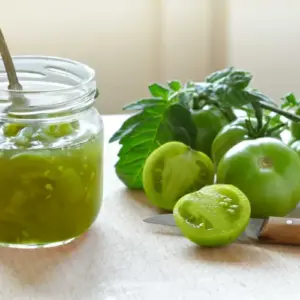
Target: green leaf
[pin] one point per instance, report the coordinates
(234, 78)
(158, 90)
(144, 103)
(260, 96)
(189, 84)
(274, 119)
(185, 99)
(175, 85)
(137, 144)
(290, 101)
(216, 76)
(203, 87)
(232, 97)
(127, 127)
(238, 79)
(182, 125)
(291, 98)
(141, 134)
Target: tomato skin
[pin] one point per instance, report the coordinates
(230, 135)
(209, 121)
(267, 171)
(295, 127)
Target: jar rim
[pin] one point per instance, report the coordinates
(90, 72)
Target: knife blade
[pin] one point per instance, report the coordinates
(273, 230)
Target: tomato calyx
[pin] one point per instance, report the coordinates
(263, 126)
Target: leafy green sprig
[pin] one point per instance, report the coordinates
(166, 116)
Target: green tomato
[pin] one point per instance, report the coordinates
(267, 171)
(215, 215)
(295, 126)
(209, 121)
(230, 135)
(11, 129)
(173, 170)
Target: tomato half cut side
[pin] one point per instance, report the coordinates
(214, 216)
(174, 170)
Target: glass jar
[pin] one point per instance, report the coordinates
(51, 147)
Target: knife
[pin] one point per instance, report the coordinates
(273, 230)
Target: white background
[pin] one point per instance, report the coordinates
(132, 43)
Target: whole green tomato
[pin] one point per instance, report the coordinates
(295, 126)
(209, 121)
(232, 134)
(267, 171)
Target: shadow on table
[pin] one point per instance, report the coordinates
(231, 254)
(39, 266)
(240, 253)
(139, 197)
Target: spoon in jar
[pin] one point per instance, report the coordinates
(14, 84)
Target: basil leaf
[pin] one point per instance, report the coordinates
(158, 90)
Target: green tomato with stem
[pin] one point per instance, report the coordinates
(235, 132)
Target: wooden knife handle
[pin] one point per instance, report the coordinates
(278, 230)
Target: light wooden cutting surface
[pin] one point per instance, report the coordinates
(123, 258)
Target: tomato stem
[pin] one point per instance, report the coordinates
(279, 111)
(259, 115)
(251, 130)
(227, 111)
(278, 128)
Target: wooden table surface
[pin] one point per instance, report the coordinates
(123, 258)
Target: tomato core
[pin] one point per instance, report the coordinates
(265, 163)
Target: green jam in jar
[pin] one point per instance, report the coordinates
(48, 193)
(51, 153)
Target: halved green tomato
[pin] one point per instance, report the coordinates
(215, 215)
(173, 170)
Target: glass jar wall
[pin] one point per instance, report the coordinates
(51, 147)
